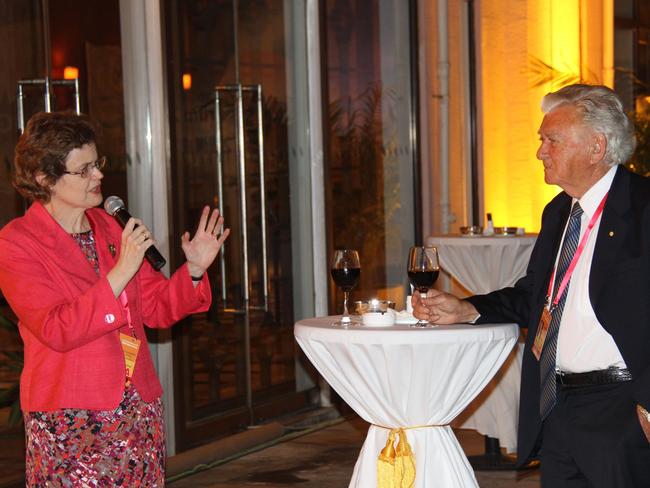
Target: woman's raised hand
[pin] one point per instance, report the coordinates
(201, 250)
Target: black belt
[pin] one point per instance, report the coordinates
(593, 378)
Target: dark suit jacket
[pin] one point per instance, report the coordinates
(619, 290)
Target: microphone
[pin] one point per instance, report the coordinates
(115, 206)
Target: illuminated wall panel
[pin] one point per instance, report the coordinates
(514, 34)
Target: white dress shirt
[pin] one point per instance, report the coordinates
(583, 344)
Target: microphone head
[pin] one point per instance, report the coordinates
(112, 204)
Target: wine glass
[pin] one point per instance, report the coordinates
(423, 269)
(345, 273)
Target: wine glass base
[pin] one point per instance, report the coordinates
(345, 322)
(423, 325)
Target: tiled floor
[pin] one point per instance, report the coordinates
(325, 459)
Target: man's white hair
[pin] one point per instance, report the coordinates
(601, 110)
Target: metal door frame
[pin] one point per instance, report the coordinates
(240, 151)
(46, 82)
(147, 131)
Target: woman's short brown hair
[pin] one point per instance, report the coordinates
(43, 148)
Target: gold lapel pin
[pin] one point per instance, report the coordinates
(111, 249)
(611, 233)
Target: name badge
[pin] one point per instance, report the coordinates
(542, 330)
(130, 346)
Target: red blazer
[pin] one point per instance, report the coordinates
(69, 319)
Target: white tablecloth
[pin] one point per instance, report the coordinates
(404, 377)
(481, 265)
(484, 264)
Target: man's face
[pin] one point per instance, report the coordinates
(565, 149)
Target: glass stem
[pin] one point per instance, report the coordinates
(423, 322)
(346, 294)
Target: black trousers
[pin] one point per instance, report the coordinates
(593, 439)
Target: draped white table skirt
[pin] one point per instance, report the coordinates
(484, 264)
(440, 461)
(419, 379)
(481, 265)
(495, 411)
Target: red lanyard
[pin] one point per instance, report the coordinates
(125, 304)
(576, 256)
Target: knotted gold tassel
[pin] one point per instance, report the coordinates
(386, 464)
(396, 466)
(404, 462)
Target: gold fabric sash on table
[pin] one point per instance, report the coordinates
(396, 464)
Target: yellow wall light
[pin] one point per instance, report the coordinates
(569, 46)
(187, 81)
(70, 73)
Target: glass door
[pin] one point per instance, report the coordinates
(371, 140)
(55, 58)
(58, 60)
(22, 34)
(227, 84)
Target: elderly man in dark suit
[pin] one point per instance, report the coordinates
(585, 300)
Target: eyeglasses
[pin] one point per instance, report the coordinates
(86, 169)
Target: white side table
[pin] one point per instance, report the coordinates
(404, 377)
(481, 265)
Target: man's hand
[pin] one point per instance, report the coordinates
(442, 308)
(643, 420)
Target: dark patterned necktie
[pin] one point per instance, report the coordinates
(547, 359)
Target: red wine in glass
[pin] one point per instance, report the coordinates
(346, 278)
(423, 280)
(345, 273)
(423, 269)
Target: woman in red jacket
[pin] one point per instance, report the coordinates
(82, 293)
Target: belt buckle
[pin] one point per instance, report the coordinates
(559, 376)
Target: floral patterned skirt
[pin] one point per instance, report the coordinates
(91, 448)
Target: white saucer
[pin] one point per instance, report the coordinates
(405, 317)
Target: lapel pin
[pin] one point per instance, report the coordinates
(111, 249)
(611, 233)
